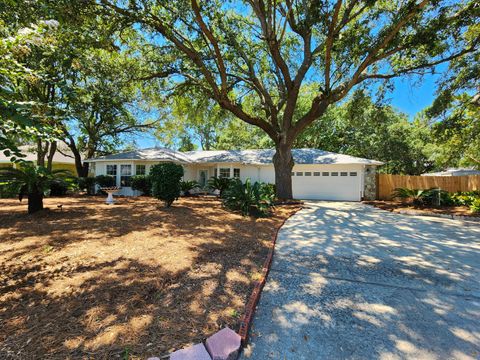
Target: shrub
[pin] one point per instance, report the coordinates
(87, 184)
(142, 183)
(465, 198)
(475, 206)
(165, 179)
(105, 181)
(220, 184)
(256, 199)
(187, 186)
(416, 195)
(58, 188)
(8, 190)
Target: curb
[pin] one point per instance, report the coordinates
(258, 287)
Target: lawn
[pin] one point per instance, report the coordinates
(90, 280)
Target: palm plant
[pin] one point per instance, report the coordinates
(417, 195)
(32, 181)
(219, 183)
(187, 186)
(256, 199)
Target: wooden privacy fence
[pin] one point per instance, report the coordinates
(387, 183)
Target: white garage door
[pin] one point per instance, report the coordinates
(327, 185)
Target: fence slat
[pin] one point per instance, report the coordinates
(387, 183)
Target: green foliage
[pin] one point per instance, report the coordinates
(142, 183)
(219, 183)
(87, 184)
(475, 206)
(256, 199)
(165, 178)
(187, 186)
(32, 181)
(105, 181)
(465, 198)
(364, 128)
(58, 188)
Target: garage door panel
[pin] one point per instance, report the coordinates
(327, 187)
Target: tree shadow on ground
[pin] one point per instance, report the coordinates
(352, 282)
(66, 296)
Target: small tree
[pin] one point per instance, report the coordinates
(166, 179)
(32, 181)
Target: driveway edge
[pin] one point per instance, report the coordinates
(259, 284)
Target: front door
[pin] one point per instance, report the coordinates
(203, 178)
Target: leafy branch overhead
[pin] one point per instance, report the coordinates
(273, 48)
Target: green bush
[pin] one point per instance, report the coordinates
(475, 205)
(417, 196)
(220, 184)
(58, 188)
(87, 184)
(165, 179)
(256, 199)
(465, 198)
(142, 183)
(8, 190)
(105, 181)
(187, 186)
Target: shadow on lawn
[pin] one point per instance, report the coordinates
(70, 307)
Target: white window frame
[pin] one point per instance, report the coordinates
(144, 169)
(107, 170)
(125, 166)
(224, 170)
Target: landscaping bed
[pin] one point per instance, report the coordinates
(89, 280)
(397, 206)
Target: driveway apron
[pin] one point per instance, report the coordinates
(349, 281)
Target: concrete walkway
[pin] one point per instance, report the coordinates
(350, 281)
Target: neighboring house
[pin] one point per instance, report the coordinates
(454, 172)
(317, 174)
(62, 159)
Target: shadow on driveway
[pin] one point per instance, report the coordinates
(353, 282)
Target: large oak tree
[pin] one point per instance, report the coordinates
(273, 48)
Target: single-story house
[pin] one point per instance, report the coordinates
(454, 172)
(317, 174)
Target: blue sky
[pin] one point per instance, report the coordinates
(409, 96)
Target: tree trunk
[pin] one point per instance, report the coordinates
(51, 153)
(283, 163)
(35, 202)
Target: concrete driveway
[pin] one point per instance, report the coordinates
(350, 281)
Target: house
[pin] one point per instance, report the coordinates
(455, 172)
(317, 174)
(62, 159)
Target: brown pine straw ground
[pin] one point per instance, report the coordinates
(132, 280)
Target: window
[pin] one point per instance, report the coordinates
(112, 170)
(140, 170)
(334, 173)
(316, 173)
(236, 173)
(308, 173)
(215, 172)
(325, 173)
(125, 175)
(344, 173)
(300, 173)
(353, 173)
(224, 172)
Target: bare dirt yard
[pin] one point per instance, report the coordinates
(124, 281)
(396, 206)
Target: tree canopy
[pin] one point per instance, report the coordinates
(272, 50)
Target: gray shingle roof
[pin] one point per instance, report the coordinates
(160, 154)
(254, 157)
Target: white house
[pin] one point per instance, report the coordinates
(317, 174)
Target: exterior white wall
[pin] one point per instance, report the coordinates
(304, 187)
